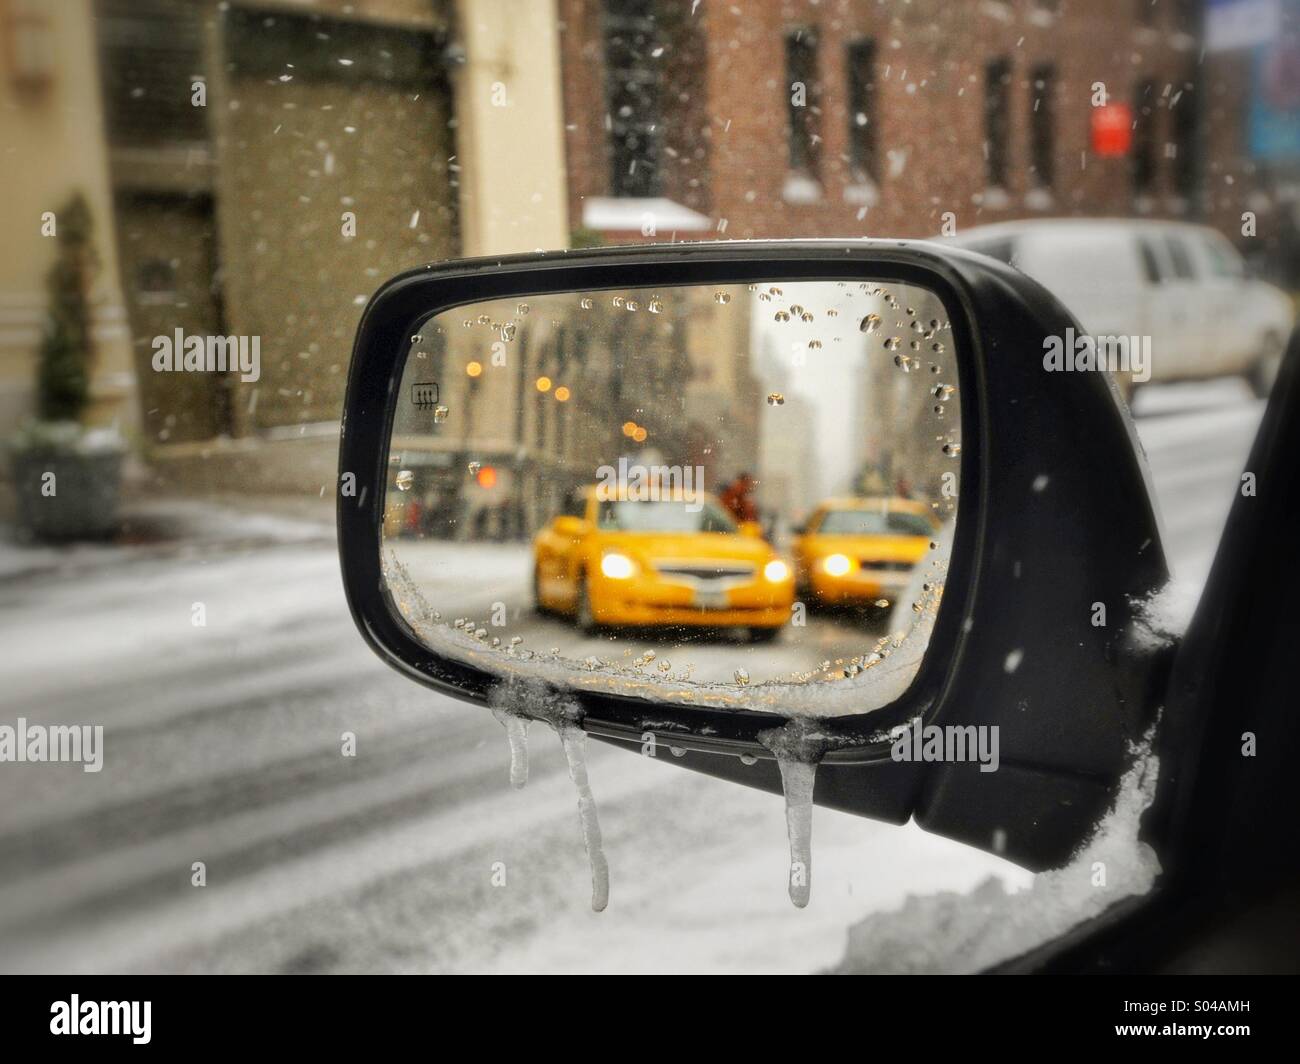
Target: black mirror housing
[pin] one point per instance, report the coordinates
(1054, 517)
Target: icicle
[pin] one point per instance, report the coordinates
(517, 735)
(574, 741)
(799, 745)
(797, 778)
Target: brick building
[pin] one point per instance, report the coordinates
(784, 118)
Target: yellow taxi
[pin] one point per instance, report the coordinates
(858, 551)
(673, 560)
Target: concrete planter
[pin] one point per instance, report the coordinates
(80, 500)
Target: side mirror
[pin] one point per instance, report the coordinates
(615, 375)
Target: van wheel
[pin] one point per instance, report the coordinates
(1264, 372)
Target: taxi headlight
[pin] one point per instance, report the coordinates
(776, 571)
(837, 564)
(617, 566)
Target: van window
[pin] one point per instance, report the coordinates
(1150, 261)
(1224, 260)
(1180, 257)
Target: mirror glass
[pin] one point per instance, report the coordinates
(735, 495)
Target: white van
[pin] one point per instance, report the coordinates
(1184, 286)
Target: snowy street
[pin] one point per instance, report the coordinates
(223, 745)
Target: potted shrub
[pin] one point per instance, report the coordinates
(67, 477)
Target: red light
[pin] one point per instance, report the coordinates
(487, 477)
(1112, 130)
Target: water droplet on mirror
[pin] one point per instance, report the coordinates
(806, 316)
(405, 479)
(440, 414)
(722, 297)
(814, 345)
(617, 301)
(586, 303)
(870, 324)
(781, 315)
(748, 759)
(655, 306)
(417, 339)
(952, 450)
(521, 309)
(893, 343)
(508, 332)
(474, 467)
(775, 399)
(883, 603)
(742, 677)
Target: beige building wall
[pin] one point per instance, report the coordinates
(511, 128)
(51, 146)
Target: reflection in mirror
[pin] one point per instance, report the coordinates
(737, 495)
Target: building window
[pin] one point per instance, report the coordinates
(863, 160)
(997, 129)
(801, 80)
(1042, 126)
(1144, 139)
(633, 96)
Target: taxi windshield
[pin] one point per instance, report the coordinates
(874, 523)
(664, 515)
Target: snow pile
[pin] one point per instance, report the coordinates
(962, 933)
(1162, 617)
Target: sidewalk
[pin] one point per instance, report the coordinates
(175, 527)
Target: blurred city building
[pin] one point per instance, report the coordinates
(856, 118)
(54, 147)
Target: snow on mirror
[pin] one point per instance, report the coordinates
(724, 496)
